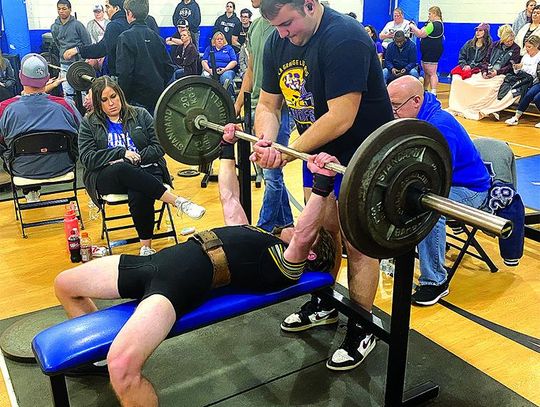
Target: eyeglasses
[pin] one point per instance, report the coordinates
(395, 109)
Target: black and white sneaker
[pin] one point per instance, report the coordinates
(429, 294)
(354, 349)
(311, 314)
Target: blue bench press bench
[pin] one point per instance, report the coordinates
(86, 339)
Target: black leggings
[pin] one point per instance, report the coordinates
(142, 186)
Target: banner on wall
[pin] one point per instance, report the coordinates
(16, 35)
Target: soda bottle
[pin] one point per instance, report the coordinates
(86, 247)
(74, 244)
(70, 222)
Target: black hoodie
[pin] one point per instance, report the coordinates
(229, 26)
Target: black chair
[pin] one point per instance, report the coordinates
(41, 144)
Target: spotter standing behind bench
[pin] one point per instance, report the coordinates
(179, 277)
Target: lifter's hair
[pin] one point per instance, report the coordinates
(325, 250)
(98, 86)
(270, 8)
(139, 8)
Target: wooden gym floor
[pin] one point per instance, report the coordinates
(469, 323)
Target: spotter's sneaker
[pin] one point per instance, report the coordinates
(146, 251)
(190, 208)
(32, 197)
(429, 294)
(354, 349)
(311, 314)
(513, 121)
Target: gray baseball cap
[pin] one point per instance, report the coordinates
(34, 71)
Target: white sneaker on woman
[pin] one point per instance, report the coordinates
(513, 121)
(190, 208)
(146, 251)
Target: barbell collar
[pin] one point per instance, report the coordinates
(201, 122)
(87, 78)
(471, 216)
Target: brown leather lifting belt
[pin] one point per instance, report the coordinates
(213, 246)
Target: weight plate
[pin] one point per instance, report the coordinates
(75, 72)
(176, 110)
(379, 215)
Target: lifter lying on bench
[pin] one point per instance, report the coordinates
(178, 278)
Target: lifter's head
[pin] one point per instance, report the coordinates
(406, 95)
(322, 254)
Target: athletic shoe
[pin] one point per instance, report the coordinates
(32, 197)
(429, 294)
(513, 121)
(190, 208)
(537, 125)
(146, 251)
(354, 349)
(311, 314)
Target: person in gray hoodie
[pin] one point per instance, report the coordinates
(67, 33)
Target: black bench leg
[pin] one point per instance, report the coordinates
(59, 391)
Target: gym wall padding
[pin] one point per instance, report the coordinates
(16, 30)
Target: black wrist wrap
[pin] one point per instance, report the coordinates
(322, 184)
(226, 151)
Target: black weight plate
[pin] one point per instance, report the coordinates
(400, 151)
(176, 110)
(75, 72)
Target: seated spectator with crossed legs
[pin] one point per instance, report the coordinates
(470, 180)
(122, 155)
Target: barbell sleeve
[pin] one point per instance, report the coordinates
(57, 67)
(475, 217)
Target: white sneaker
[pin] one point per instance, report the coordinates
(190, 208)
(513, 121)
(32, 197)
(537, 125)
(146, 251)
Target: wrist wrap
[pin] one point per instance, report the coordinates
(226, 151)
(322, 185)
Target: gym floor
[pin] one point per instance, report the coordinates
(489, 320)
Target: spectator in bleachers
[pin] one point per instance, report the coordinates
(34, 111)
(68, 33)
(225, 60)
(532, 28)
(524, 16)
(372, 32)
(186, 57)
(528, 66)
(106, 47)
(431, 46)
(121, 154)
(174, 40)
(189, 10)
(245, 18)
(400, 58)
(229, 24)
(143, 65)
(476, 97)
(7, 78)
(96, 26)
(473, 52)
(397, 24)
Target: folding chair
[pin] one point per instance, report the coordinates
(41, 144)
(122, 199)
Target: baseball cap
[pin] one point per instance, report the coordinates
(482, 26)
(182, 23)
(98, 7)
(34, 71)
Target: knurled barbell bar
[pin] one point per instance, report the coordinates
(79, 75)
(393, 190)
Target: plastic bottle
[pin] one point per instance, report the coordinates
(388, 266)
(70, 222)
(74, 244)
(86, 247)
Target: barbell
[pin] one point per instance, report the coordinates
(79, 75)
(393, 190)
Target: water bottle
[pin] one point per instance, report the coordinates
(387, 266)
(86, 247)
(74, 244)
(70, 222)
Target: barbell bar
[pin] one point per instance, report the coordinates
(444, 206)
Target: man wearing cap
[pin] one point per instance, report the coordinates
(67, 33)
(174, 40)
(107, 45)
(96, 27)
(33, 111)
(400, 58)
(189, 11)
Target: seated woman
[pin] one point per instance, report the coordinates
(186, 57)
(121, 154)
(7, 79)
(473, 52)
(226, 60)
(476, 97)
(532, 28)
(524, 16)
(528, 66)
(372, 32)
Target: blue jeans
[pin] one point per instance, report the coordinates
(389, 76)
(276, 210)
(432, 250)
(532, 95)
(69, 92)
(223, 77)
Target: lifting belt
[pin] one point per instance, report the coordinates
(213, 246)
